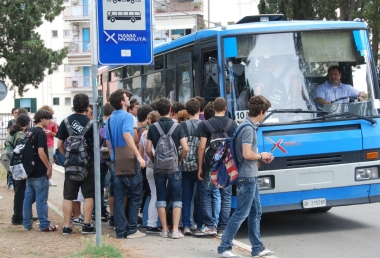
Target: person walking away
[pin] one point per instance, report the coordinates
(78, 121)
(122, 134)
(248, 197)
(167, 129)
(37, 183)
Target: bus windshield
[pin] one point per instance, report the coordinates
(288, 68)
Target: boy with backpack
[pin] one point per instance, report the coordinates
(212, 133)
(120, 134)
(76, 130)
(166, 136)
(37, 182)
(190, 165)
(248, 198)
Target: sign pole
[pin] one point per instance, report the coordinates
(95, 100)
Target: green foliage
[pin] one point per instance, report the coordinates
(27, 58)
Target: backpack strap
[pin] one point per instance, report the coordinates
(109, 129)
(86, 128)
(157, 125)
(209, 126)
(68, 127)
(174, 126)
(228, 126)
(184, 126)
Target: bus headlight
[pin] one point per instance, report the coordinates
(265, 183)
(366, 173)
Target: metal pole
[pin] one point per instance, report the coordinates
(170, 31)
(208, 11)
(95, 100)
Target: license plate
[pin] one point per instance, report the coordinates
(312, 203)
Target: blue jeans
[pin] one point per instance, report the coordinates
(216, 202)
(103, 173)
(206, 188)
(175, 183)
(37, 190)
(9, 179)
(248, 205)
(126, 223)
(189, 179)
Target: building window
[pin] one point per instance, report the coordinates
(54, 33)
(67, 101)
(29, 104)
(56, 101)
(66, 33)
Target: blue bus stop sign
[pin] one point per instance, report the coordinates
(124, 32)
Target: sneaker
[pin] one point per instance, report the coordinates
(206, 231)
(16, 223)
(78, 221)
(137, 234)
(187, 231)
(105, 216)
(228, 254)
(177, 235)
(193, 227)
(111, 223)
(67, 230)
(26, 229)
(164, 234)
(153, 230)
(88, 229)
(51, 183)
(10, 187)
(264, 252)
(51, 228)
(34, 218)
(93, 217)
(220, 232)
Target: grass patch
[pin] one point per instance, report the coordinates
(36, 253)
(106, 251)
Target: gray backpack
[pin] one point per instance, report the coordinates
(166, 155)
(76, 158)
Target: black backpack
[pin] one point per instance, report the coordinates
(76, 158)
(216, 139)
(22, 162)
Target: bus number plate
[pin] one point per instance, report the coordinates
(313, 203)
(241, 115)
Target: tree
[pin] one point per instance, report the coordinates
(26, 59)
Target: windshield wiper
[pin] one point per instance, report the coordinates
(296, 111)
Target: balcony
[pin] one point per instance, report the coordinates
(76, 13)
(79, 52)
(79, 83)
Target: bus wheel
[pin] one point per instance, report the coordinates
(133, 19)
(320, 210)
(112, 19)
(114, 1)
(132, 1)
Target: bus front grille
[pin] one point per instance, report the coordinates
(314, 161)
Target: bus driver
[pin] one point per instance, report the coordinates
(333, 89)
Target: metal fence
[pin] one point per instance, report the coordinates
(4, 118)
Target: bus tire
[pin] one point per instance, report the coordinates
(133, 20)
(112, 19)
(320, 210)
(114, 1)
(132, 1)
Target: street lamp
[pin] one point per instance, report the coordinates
(170, 32)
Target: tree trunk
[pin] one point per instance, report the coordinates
(375, 45)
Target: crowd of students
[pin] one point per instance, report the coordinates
(191, 127)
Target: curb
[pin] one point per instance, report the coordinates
(55, 209)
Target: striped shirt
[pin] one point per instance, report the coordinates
(329, 93)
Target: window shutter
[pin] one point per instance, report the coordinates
(17, 103)
(33, 105)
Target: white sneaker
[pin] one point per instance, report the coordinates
(137, 234)
(51, 183)
(264, 252)
(228, 254)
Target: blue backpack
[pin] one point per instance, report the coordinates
(224, 164)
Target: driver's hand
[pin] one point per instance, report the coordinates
(361, 98)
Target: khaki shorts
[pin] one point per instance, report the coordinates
(51, 154)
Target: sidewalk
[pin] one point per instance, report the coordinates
(18, 243)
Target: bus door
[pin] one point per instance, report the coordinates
(184, 89)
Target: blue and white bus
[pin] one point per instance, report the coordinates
(324, 156)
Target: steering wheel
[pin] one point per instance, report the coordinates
(352, 99)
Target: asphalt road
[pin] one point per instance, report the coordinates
(349, 231)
